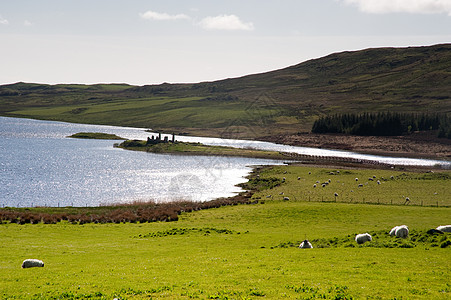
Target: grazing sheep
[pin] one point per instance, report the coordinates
(323, 185)
(370, 179)
(444, 228)
(314, 185)
(30, 263)
(305, 245)
(378, 182)
(356, 179)
(401, 231)
(286, 198)
(360, 185)
(310, 173)
(281, 193)
(363, 238)
(299, 178)
(269, 196)
(283, 179)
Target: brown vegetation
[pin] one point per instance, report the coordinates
(135, 212)
(419, 144)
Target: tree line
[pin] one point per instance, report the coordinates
(383, 124)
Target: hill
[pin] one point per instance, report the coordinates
(414, 79)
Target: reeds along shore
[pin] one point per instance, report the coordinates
(120, 213)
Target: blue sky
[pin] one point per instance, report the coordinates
(149, 42)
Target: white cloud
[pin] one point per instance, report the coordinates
(407, 6)
(156, 16)
(225, 22)
(27, 23)
(3, 21)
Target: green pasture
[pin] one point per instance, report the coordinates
(243, 251)
(427, 188)
(152, 112)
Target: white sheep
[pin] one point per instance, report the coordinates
(401, 231)
(444, 228)
(305, 245)
(30, 263)
(286, 198)
(363, 238)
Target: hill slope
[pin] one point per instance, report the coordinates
(414, 79)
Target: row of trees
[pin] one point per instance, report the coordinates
(383, 124)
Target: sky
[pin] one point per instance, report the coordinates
(143, 42)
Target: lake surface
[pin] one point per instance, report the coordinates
(40, 166)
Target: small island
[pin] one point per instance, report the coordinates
(157, 144)
(96, 136)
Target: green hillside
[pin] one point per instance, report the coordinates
(414, 79)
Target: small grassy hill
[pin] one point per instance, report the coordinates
(415, 79)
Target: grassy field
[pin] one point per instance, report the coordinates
(248, 251)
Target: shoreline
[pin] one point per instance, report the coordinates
(419, 145)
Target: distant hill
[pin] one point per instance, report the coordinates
(414, 79)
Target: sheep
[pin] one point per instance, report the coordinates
(370, 179)
(299, 178)
(30, 263)
(356, 179)
(444, 228)
(360, 185)
(286, 198)
(269, 196)
(363, 238)
(305, 245)
(283, 179)
(401, 231)
(378, 182)
(314, 185)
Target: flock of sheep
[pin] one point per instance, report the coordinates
(401, 231)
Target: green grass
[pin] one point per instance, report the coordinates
(96, 135)
(427, 189)
(237, 252)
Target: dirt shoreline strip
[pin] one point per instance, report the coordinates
(417, 145)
